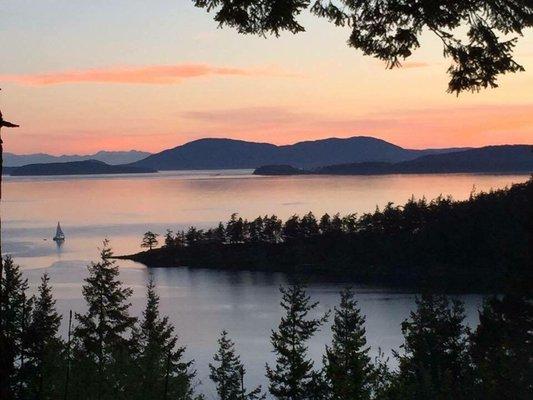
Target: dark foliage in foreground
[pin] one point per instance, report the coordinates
(347, 367)
(480, 243)
(390, 30)
(228, 373)
(118, 357)
(109, 354)
(435, 361)
(293, 376)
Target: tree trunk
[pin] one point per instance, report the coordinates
(4, 391)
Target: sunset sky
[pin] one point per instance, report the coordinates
(82, 76)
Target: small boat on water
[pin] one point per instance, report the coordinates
(60, 236)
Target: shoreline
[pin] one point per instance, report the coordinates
(479, 243)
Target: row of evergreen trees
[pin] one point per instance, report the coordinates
(266, 229)
(109, 354)
(412, 218)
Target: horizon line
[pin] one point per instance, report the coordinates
(259, 142)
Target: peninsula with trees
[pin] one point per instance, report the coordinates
(479, 243)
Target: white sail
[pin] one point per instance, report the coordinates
(59, 233)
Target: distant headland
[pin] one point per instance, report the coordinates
(89, 167)
(491, 159)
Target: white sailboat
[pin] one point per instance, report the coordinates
(60, 236)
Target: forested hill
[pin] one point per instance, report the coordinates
(490, 159)
(478, 243)
(228, 153)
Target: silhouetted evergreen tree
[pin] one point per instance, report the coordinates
(228, 373)
(15, 310)
(309, 225)
(103, 340)
(293, 377)
(347, 366)
(193, 236)
(149, 240)
(162, 373)
(208, 236)
(413, 214)
(383, 383)
(44, 367)
(256, 230)
(180, 239)
(339, 225)
(435, 363)
(235, 229)
(366, 223)
(391, 219)
(329, 225)
(272, 229)
(502, 349)
(22, 363)
(291, 229)
(219, 234)
(170, 240)
(325, 224)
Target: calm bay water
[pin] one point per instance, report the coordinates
(203, 302)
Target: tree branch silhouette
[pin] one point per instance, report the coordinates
(390, 29)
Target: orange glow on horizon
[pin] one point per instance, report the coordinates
(432, 128)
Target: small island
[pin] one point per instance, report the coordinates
(88, 167)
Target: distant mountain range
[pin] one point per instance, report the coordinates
(109, 157)
(87, 167)
(490, 159)
(233, 154)
(355, 155)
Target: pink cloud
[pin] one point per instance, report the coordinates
(150, 75)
